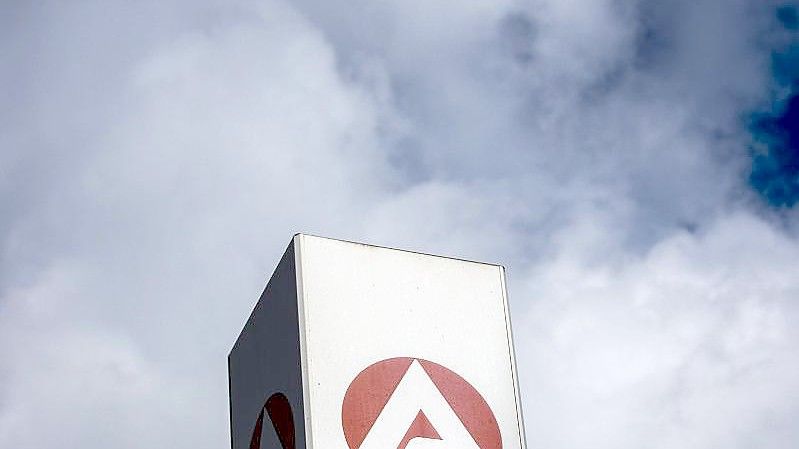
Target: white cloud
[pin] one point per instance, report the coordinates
(689, 345)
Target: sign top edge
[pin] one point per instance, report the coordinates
(421, 253)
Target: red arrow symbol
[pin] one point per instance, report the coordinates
(279, 411)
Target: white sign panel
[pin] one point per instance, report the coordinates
(376, 348)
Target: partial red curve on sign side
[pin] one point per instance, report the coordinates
(278, 409)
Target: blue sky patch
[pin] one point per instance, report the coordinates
(788, 17)
(775, 152)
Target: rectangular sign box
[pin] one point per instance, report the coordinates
(354, 346)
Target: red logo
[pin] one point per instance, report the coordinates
(279, 410)
(408, 403)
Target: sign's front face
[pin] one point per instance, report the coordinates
(403, 350)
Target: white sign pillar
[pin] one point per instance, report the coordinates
(362, 347)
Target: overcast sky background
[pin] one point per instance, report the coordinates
(632, 162)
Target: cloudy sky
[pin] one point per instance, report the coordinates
(634, 164)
